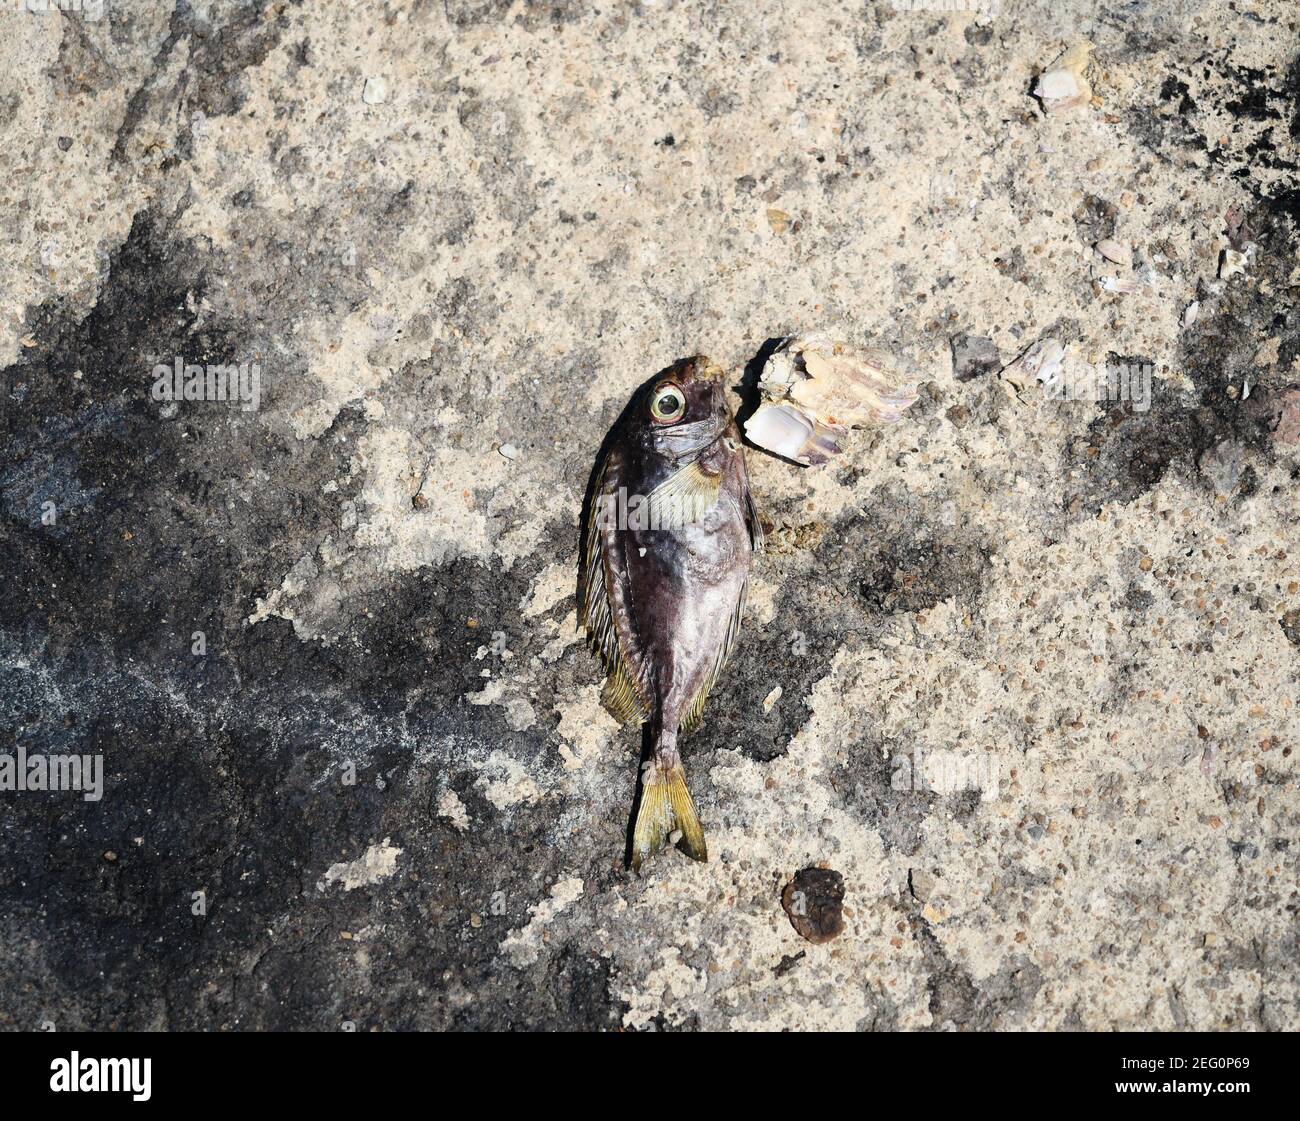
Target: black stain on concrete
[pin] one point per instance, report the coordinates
(225, 773)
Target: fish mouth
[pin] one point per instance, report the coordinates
(707, 369)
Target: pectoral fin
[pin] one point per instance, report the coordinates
(683, 498)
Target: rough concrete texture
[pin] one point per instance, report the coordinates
(1038, 658)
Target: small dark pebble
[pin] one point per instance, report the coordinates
(788, 962)
(1244, 849)
(65, 142)
(814, 900)
(1291, 626)
(974, 356)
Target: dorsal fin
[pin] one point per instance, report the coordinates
(606, 609)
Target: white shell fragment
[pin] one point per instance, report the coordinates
(814, 390)
(1118, 251)
(1056, 84)
(375, 91)
(1042, 362)
(1234, 262)
(788, 432)
(1126, 285)
(1062, 86)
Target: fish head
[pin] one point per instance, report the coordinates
(685, 409)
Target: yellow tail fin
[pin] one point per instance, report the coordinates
(666, 809)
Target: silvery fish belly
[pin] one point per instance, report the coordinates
(670, 532)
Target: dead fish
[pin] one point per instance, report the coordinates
(671, 530)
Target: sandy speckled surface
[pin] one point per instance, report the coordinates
(1038, 659)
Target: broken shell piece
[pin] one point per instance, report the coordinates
(1144, 280)
(1190, 313)
(1057, 83)
(853, 387)
(1042, 361)
(778, 375)
(792, 434)
(1118, 251)
(1126, 285)
(1233, 263)
(815, 389)
(1063, 85)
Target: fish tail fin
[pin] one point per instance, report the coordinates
(666, 815)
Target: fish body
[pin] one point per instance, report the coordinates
(671, 530)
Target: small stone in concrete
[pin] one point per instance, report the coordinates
(974, 356)
(1291, 626)
(1221, 465)
(920, 883)
(788, 962)
(1288, 424)
(814, 900)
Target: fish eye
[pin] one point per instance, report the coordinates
(668, 403)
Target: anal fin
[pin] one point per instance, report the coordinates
(621, 697)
